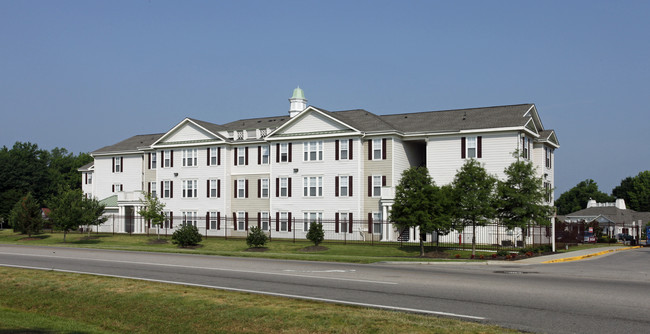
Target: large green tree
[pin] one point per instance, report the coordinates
(26, 216)
(70, 210)
(474, 191)
(153, 211)
(521, 197)
(418, 203)
(577, 197)
(635, 191)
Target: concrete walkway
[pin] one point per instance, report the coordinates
(574, 255)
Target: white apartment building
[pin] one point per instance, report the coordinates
(311, 164)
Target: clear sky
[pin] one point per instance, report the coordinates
(86, 74)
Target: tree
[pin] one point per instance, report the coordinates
(68, 211)
(153, 211)
(635, 191)
(577, 197)
(417, 204)
(316, 233)
(256, 237)
(521, 197)
(475, 195)
(26, 216)
(187, 235)
(24, 170)
(93, 212)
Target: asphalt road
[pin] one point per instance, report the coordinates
(606, 294)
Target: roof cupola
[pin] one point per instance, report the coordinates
(298, 102)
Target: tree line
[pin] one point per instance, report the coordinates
(635, 190)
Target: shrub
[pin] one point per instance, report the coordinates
(457, 256)
(316, 234)
(188, 235)
(494, 256)
(502, 252)
(256, 237)
(482, 257)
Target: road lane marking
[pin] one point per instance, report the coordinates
(209, 268)
(326, 300)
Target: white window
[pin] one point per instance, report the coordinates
(376, 149)
(189, 188)
(190, 157)
(241, 156)
(376, 185)
(154, 158)
(284, 187)
(376, 223)
(152, 186)
(343, 222)
(240, 135)
(284, 221)
(344, 186)
(90, 178)
(265, 155)
(189, 217)
(264, 192)
(241, 221)
(241, 188)
(117, 187)
(213, 220)
(471, 147)
(312, 186)
(167, 219)
(213, 189)
(263, 133)
(264, 219)
(118, 164)
(284, 152)
(167, 157)
(213, 156)
(343, 149)
(311, 217)
(313, 151)
(525, 144)
(547, 152)
(167, 189)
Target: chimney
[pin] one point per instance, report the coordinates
(620, 203)
(298, 102)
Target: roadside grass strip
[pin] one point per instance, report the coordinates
(581, 257)
(34, 301)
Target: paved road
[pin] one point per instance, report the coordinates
(608, 293)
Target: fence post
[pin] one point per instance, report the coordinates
(294, 230)
(225, 224)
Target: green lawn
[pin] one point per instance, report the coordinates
(34, 301)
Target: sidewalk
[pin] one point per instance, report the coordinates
(574, 255)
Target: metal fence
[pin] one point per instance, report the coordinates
(489, 237)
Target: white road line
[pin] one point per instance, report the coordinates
(209, 268)
(326, 300)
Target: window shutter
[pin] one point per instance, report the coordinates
(369, 222)
(121, 164)
(235, 188)
(289, 187)
(336, 186)
(350, 186)
(350, 223)
(207, 220)
(550, 159)
(277, 187)
(259, 188)
(208, 160)
(171, 219)
(246, 220)
(149, 163)
(259, 220)
(336, 222)
(113, 188)
(462, 147)
(479, 147)
(289, 220)
(218, 188)
(383, 180)
(259, 155)
(207, 189)
(277, 221)
(86, 175)
(171, 158)
(246, 155)
(290, 153)
(246, 188)
(236, 156)
(149, 188)
(350, 149)
(234, 221)
(218, 220)
(218, 155)
(162, 189)
(277, 152)
(369, 149)
(383, 149)
(336, 149)
(369, 186)
(113, 164)
(171, 189)
(121, 187)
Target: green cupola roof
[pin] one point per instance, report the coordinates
(298, 93)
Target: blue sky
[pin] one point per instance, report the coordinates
(86, 74)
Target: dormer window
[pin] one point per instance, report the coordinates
(263, 133)
(240, 135)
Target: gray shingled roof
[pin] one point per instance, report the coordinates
(611, 212)
(130, 144)
(461, 119)
(86, 167)
(214, 128)
(362, 120)
(256, 123)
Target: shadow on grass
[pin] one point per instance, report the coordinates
(85, 241)
(35, 237)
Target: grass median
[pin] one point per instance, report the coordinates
(33, 301)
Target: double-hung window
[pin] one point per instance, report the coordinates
(284, 186)
(525, 147)
(284, 221)
(167, 189)
(311, 217)
(213, 220)
(189, 217)
(264, 220)
(312, 186)
(376, 185)
(264, 188)
(154, 156)
(190, 157)
(344, 149)
(213, 190)
(152, 189)
(264, 155)
(471, 147)
(284, 152)
(117, 164)
(241, 188)
(377, 149)
(241, 221)
(343, 221)
(313, 151)
(214, 156)
(167, 158)
(190, 188)
(344, 186)
(241, 156)
(90, 178)
(376, 223)
(548, 152)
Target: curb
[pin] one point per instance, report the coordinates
(576, 258)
